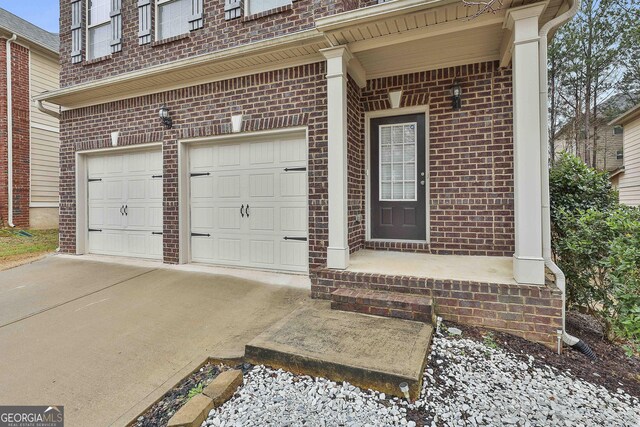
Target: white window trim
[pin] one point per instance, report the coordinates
(423, 109)
(88, 27)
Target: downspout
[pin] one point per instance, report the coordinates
(9, 134)
(544, 164)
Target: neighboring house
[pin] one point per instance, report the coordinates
(29, 181)
(609, 154)
(317, 137)
(627, 179)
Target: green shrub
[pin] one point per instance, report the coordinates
(596, 242)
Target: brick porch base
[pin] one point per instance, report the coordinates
(528, 311)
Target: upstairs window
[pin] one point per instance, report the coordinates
(98, 28)
(619, 155)
(173, 18)
(617, 130)
(257, 6)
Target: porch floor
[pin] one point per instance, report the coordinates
(488, 269)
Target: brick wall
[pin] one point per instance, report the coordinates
(355, 170)
(217, 34)
(532, 312)
(470, 157)
(270, 100)
(21, 134)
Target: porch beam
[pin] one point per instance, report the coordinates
(426, 32)
(528, 263)
(506, 48)
(338, 250)
(357, 72)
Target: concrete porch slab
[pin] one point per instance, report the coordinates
(489, 269)
(367, 351)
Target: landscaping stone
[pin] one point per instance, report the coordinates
(465, 383)
(223, 387)
(193, 413)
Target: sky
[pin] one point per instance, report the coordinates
(43, 13)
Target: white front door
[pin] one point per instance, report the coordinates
(125, 204)
(249, 203)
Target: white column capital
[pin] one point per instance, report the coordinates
(337, 52)
(523, 21)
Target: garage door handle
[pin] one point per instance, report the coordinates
(247, 210)
(242, 213)
(122, 210)
(301, 239)
(126, 208)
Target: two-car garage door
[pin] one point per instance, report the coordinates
(248, 203)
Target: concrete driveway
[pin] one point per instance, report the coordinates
(106, 340)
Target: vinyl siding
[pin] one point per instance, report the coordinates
(45, 138)
(630, 180)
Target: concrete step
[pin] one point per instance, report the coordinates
(367, 351)
(387, 304)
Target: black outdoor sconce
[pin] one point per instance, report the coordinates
(163, 112)
(456, 96)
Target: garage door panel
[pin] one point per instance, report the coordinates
(96, 191)
(229, 248)
(203, 248)
(262, 252)
(262, 153)
(201, 158)
(115, 190)
(262, 219)
(293, 219)
(293, 184)
(137, 189)
(155, 189)
(202, 217)
(201, 187)
(228, 218)
(294, 254)
(291, 150)
(114, 218)
(261, 185)
(114, 164)
(227, 155)
(228, 186)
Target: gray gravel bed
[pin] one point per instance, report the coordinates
(466, 383)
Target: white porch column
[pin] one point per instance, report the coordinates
(528, 264)
(338, 250)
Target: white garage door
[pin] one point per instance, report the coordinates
(125, 204)
(249, 203)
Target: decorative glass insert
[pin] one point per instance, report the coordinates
(98, 28)
(397, 162)
(173, 18)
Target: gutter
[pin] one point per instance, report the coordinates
(9, 134)
(544, 164)
(43, 109)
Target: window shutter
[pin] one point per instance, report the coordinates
(232, 9)
(76, 31)
(116, 26)
(195, 20)
(144, 21)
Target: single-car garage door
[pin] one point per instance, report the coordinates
(249, 203)
(125, 204)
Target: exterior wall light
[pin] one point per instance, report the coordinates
(163, 112)
(456, 96)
